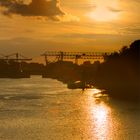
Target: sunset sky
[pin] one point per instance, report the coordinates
(34, 26)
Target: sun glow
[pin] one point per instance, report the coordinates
(105, 11)
(103, 14)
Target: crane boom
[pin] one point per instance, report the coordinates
(74, 55)
(14, 57)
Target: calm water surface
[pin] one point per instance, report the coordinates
(44, 109)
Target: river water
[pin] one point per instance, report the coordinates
(44, 109)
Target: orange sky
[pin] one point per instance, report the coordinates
(83, 25)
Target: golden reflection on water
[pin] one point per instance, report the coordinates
(99, 114)
(101, 118)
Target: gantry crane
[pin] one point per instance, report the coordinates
(14, 57)
(60, 56)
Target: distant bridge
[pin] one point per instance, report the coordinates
(61, 56)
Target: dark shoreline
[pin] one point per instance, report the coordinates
(119, 74)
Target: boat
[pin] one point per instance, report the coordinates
(78, 85)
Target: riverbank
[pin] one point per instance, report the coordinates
(119, 74)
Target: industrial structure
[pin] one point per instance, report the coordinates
(61, 56)
(14, 57)
(11, 66)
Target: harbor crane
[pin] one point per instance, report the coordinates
(14, 57)
(61, 56)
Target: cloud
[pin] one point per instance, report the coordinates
(131, 30)
(114, 9)
(36, 8)
(89, 36)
